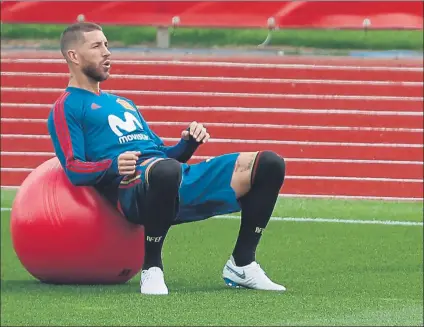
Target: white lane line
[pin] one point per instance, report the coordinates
(352, 197)
(319, 220)
(249, 110)
(173, 139)
(239, 125)
(288, 159)
(288, 110)
(229, 94)
(176, 62)
(226, 79)
(332, 178)
(314, 196)
(358, 179)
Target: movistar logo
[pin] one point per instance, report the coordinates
(129, 124)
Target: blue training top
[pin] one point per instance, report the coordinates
(89, 131)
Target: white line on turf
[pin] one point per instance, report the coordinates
(322, 220)
(313, 196)
(306, 177)
(336, 220)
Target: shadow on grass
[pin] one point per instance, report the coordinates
(35, 286)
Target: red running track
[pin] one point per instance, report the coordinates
(233, 85)
(225, 99)
(244, 131)
(237, 115)
(346, 127)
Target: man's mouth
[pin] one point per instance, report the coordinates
(106, 64)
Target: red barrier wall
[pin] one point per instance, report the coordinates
(287, 14)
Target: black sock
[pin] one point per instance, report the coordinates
(258, 204)
(162, 202)
(153, 250)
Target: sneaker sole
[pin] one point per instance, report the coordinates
(151, 293)
(231, 284)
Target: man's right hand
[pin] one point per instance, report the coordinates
(127, 162)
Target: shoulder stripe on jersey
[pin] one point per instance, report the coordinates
(65, 142)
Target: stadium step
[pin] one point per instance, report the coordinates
(42, 143)
(304, 117)
(204, 99)
(327, 70)
(218, 84)
(248, 132)
(294, 166)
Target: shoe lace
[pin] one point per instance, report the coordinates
(260, 270)
(151, 275)
(147, 277)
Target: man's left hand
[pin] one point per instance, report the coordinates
(197, 131)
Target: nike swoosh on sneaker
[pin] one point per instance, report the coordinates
(242, 276)
(95, 106)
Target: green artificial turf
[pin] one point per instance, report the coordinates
(335, 273)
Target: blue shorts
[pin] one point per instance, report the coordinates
(205, 191)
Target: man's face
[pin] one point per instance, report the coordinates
(94, 56)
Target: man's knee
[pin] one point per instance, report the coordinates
(269, 166)
(253, 168)
(165, 175)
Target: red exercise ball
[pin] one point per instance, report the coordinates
(69, 234)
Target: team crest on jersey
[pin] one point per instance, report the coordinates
(126, 104)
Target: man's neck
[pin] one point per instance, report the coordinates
(85, 83)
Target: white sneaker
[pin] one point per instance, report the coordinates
(250, 276)
(152, 282)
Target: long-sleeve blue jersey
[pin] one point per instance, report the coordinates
(89, 131)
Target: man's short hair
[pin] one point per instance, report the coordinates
(74, 33)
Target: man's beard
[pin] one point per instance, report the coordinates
(92, 72)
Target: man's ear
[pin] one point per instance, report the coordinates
(73, 57)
